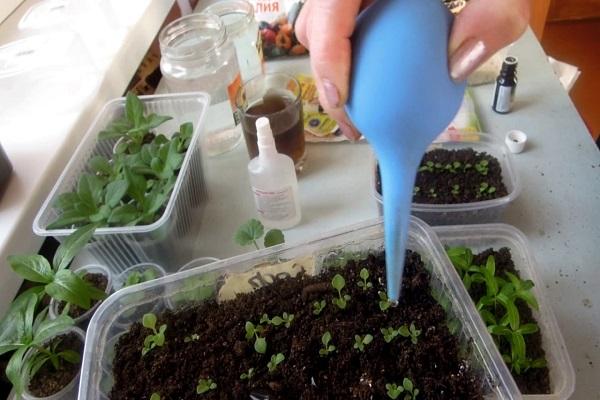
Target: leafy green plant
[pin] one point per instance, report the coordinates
(394, 391)
(252, 230)
(56, 280)
(255, 331)
(364, 282)
(276, 359)
(318, 306)
(285, 319)
(135, 184)
(155, 396)
(23, 330)
(384, 301)
(389, 334)
(411, 332)
(361, 341)
(485, 189)
(427, 167)
(205, 385)
(157, 339)
(327, 347)
(338, 282)
(248, 374)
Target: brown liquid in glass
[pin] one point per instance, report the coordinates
(286, 124)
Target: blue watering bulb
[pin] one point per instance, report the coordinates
(401, 98)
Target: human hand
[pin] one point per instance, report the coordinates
(325, 27)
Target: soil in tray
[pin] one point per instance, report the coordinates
(97, 280)
(534, 380)
(220, 351)
(49, 380)
(472, 176)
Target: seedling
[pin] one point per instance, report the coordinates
(155, 396)
(137, 277)
(455, 190)
(389, 334)
(318, 307)
(285, 319)
(427, 167)
(248, 374)
(482, 167)
(254, 331)
(22, 331)
(486, 189)
(327, 347)
(253, 230)
(205, 385)
(338, 282)
(416, 190)
(192, 338)
(364, 283)
(361, 341)
(154, 340)
(432, 193)
(276, 359)
(55, 279)
(411, 332)
(394, 391)
(384, 301)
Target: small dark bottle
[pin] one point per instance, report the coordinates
(506, 85)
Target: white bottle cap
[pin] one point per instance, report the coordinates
(264, 133)
(515, 141)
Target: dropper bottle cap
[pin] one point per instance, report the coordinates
(264, 134)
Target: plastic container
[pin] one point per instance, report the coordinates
(120, 279)
(482, 237)
(477, 212)
(83, 319)
(169, 241)
(485, 359)
(68, 392)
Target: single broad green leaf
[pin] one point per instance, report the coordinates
(69, 287)
(529, 298)
(249, 232)
(538, 363)
(89, 189)
(187, 130)
(34, 268)
(407, 384)
(67, 219)
(517, 346)
(50, 328)
(338, 282)
(101, 215)
(154, 120)
(511, 310)
(274, 237)
(115, 129)
(149, 321)
(260, 345)
(70, 356)
(123, 215)
(160, 139)
(528, 329)
(14, 370)
(368, 339)
(121, 147)
(490, 266)
(174, 159)
(11, 326)
(100, 164)
(29, 315)
(72, 246)
(134, 109)
(115, 192)
(153, 203)
(137, 186)
(499, 330)
(66, 201)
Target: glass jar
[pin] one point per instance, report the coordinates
(196, 56)
(242, 29)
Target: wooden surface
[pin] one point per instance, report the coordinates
(562, 10)
(578, 43)
(539, 12)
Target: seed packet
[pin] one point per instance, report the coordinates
(465, 125)
(276, 20)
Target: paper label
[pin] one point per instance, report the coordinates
(275, 205)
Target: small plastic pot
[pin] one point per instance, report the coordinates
(69, 391)
(198, 288)
(83, 319)
(121, 278)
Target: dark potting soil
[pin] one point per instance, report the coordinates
(457, 185)
(220, 352)
(49, 380)
(99, 281)
(534, 380)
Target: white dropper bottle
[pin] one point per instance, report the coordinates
(274, 182)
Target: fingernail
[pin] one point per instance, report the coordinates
(349, 131)
(466, 59)
(331, 94)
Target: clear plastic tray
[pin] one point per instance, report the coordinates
(481, 237)
(169, 240)
(469, 213)
(96, 380)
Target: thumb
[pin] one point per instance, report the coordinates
(481, 29)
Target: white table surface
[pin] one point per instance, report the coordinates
(558, 209)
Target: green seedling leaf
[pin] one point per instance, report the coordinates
(318, 307)
(34, 268)
(276, 359)
(248, 374)
(361, 341)
(114, 192)
(274, 237)
(71, 288)
(364, 283)
(327, 347)
(249, 233)
(205, 385)
(134, 109)
(260, 345)
(72, 246)
(155, 396)
(384, 301)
